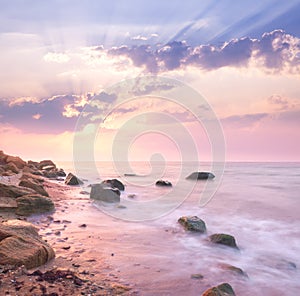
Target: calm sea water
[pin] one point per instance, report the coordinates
(258, 203)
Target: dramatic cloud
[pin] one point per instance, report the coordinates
(275, 51)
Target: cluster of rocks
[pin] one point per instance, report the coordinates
(11, 165)
(195, 224)
(22, 193)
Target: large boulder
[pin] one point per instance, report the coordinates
(221, 290)
(20, 244)
(72, 180)
(223, 239)
(193, 223)
(200, 176)
(111, 195)
(163, 183)
(33, 204)
(114, 183)
(35, 185)
(14, 191)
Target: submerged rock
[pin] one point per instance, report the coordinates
(111, 195)
(193, 223)
(223, 239)
(20, 244)
(221, 290)
(163, 183)
(200, 176)
(114, 183)
(73, 180)
(235, 270)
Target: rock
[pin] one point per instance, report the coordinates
(3, 158)
(114, 183)
(12, 167)
(197, 276)
(14, 191)
(35, 185)
(20, 163)
(36, 178)
(72, 180)
(20, 245)
(45, 163)
(163, 183)
(8, 204)
(193, 223)
(61, 173)
(98, 192)
(221, 290)
(200, 176)
(33, 204)
(286, 265)
(223, 239)
(233, 269)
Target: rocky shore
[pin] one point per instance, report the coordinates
(29, 264)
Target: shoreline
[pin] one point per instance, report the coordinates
(70, 255)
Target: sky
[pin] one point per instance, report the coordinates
(61, 58)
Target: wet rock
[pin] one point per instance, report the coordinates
(32, 204)
(35, 185)
(197, 276)
(223, 239)
(235, 270)
(114, 183)
(111, 195)
(163, 183)
(221, 290)
(84, 192)
(20, 244)
(286, 265)
(83, 225)
(200, 176)
(73, 180)
(193, 223)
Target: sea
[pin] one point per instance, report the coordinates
(258, 203)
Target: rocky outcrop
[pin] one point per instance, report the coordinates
(20, 244)
(223, 239)
(73, 180)
(200, 176)
(114, 183)
(221, 290)
(110, 195)
(33, 204)
(193, 223)
(10, 165)
(163, 183)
